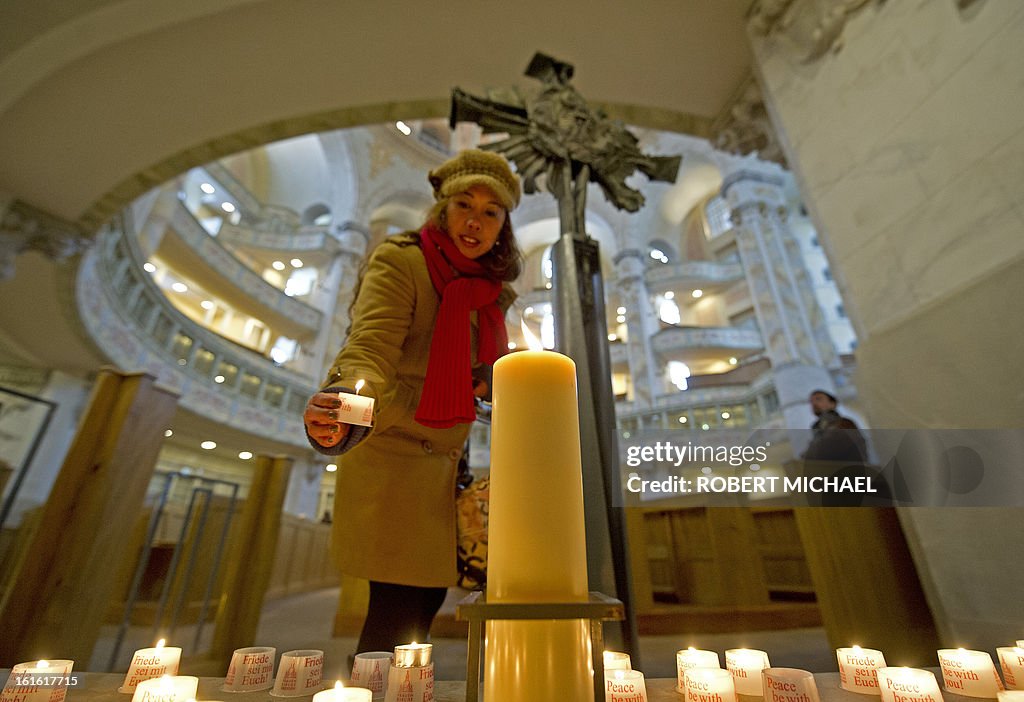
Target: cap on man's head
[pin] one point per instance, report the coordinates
(827, 394)
(476, 167)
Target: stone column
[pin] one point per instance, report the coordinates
(792, 324)
(353, 240)
(629, 265)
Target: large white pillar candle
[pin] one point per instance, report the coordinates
(969, 673)
(907, 685)
(1011, 660)
(537, 546)
(746, 665)
(857, 668)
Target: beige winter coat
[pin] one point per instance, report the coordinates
(394, 503)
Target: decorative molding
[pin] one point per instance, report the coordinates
(26, 228)
(744, 126)
(815, 27)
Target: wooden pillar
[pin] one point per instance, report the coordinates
(866, 583)
(738, 563)
(249, 566)
(63, 583)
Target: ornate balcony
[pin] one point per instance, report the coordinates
(137, 328)
(676, 341)
(188, 247)
(707, 275)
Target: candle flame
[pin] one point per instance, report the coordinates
(160, 643)
(531, 341)
(338, 685)
(359, 385)
(856, 648)
(691, 648)
(620, 674)
(43, 664)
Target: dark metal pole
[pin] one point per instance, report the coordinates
(582, 334)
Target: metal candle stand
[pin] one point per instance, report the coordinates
(476, 610)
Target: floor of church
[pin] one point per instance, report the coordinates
(305, 621)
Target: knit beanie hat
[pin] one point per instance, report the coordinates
(476, 167)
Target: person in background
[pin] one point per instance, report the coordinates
(430, 305)
(835, 437)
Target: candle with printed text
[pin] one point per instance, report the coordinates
(537, 545)
(857, 669)
(149, 663)
(969, 673)
(693, 658)
(746, 665)
(1011, 661)
(907, 685)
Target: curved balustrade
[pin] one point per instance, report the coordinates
(313, 238)
(700, 397)
(134, 324)
(704, 274)
(728, 338)
(293, 317)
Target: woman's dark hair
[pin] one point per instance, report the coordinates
(503, 262)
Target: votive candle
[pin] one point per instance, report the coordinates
(413, 655)
(624, 686)
(709, 685)
(746, 665)
(339, 693)
(616, 660)
(857, 669)
(1011, 660)
(167, 688)
(907, 685)
(148, 663)
(691, 657)
(969, 673)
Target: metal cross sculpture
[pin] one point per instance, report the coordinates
(555, 135)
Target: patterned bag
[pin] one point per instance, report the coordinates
(471, 508)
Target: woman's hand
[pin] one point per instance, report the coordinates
(321, 419)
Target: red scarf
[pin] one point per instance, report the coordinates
(463, 285)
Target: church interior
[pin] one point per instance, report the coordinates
(189, 191)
